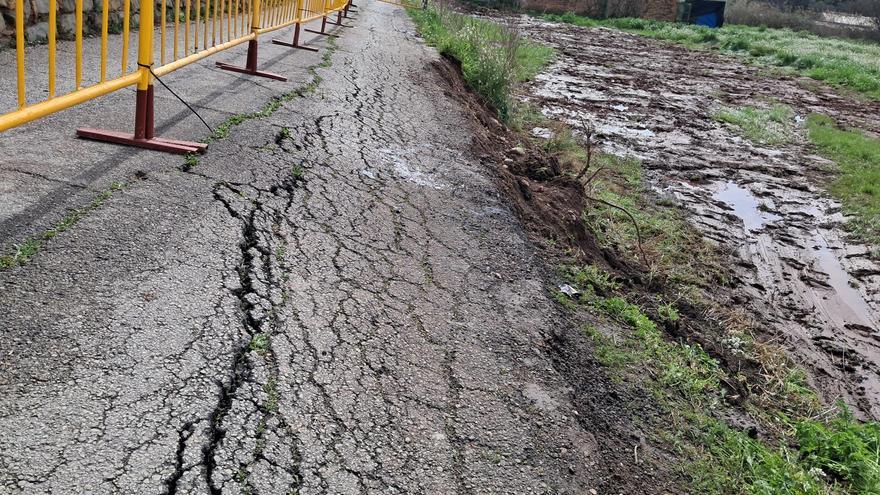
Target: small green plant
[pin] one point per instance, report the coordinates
(190, 160)
(297, 172)
(260, 343)
(271, 390)
(21, 253)
(668, 312)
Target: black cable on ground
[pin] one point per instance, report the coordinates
(191, 109)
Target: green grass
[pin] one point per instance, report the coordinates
(773, 125)
(843, 449)
(24, 252)
(848, 63)
(272, 395)
(297, 172)
(674, 250)
(858, 185)
(260, 344)
(493, 59)
(838, 456)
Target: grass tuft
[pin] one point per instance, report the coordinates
(858, 185)
(770, 126)
(493, 58)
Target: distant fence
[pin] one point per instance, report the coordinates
(188, 31)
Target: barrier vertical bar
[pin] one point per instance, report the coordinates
(176, 29)
(78, 19)
(143, 136)
(53, 27)
(196, 26)
(105, 8)
(186, 29)
(250, 67)
(126, 32)
(162, 32)
(19, 51)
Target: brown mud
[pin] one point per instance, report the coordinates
(802, 279)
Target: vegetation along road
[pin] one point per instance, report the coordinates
(460, 251)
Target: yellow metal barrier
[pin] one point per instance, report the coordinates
(188, 31)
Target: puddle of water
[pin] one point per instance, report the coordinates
(567, 88)
(626, 131)
(844, 294)
(745, 205)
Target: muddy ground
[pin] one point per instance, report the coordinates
(797, 273)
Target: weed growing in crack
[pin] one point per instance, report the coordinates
(260, 446)
(271, 390)
(190, 161)
(260, 344)
(26, 250)
(297, 173)
(282, 135)
(280, 253)
(241, 475)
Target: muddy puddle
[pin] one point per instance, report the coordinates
(800, 275)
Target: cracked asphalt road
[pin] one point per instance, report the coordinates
(345, 307)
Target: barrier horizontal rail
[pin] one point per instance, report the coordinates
(187, 31)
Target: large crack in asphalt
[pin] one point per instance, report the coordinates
(348, 306)
(395, 291)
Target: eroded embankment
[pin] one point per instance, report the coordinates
(798, 274)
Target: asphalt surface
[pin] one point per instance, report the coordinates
(336, 299)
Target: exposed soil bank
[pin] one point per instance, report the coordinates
(797, 273)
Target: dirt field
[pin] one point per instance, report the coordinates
(797, 273)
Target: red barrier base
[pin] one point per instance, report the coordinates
(250, 67)
(295, 43)
(323, 29)
(155, 144)
(323, 33)
(144, 135)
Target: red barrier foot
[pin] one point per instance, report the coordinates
(323, 33)
(295, 43)
(323, 29)
(143, 136)
(250, 67)
(155, 143)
